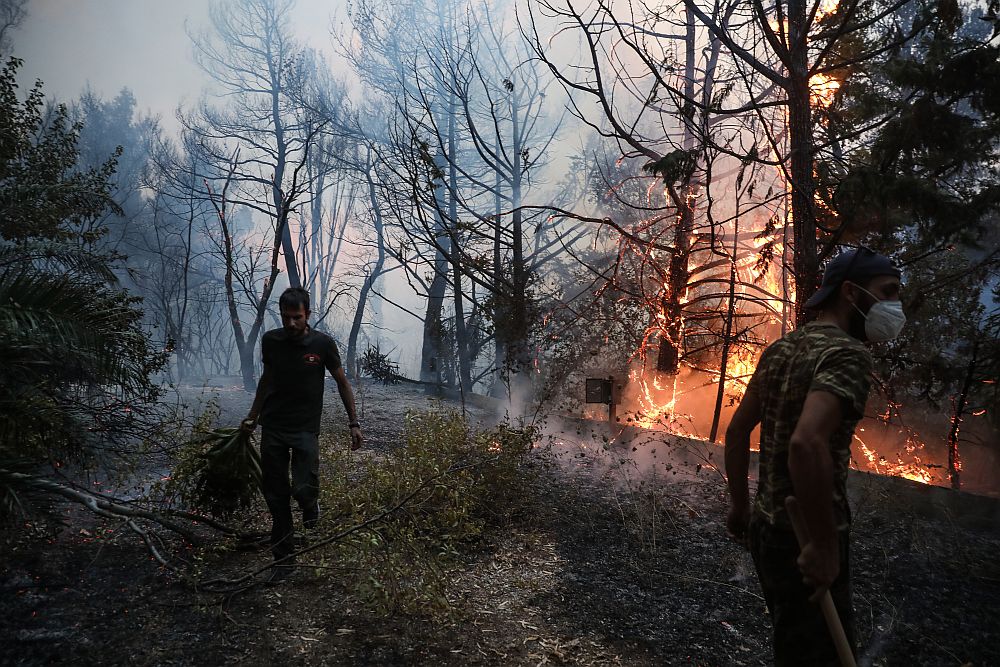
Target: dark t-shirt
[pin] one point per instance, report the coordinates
(816, 357)
(297, 370)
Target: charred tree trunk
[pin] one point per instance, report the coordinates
(461, 331)
(511, 314)
(671, 342)
(727, 336)
(432, 359)
(958, 412)
(518, 358)
(431, 354)
(499, 308)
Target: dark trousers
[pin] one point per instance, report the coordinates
(801, 636)
(277, 448)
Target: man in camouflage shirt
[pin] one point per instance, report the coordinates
(808, 392)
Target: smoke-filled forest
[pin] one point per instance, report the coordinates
(543, 246)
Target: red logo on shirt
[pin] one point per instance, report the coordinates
(311, 359)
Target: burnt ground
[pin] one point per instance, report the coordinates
(609, 567)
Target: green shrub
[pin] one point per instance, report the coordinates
(450, 485)
(427, 503)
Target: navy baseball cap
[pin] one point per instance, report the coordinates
(855, 265)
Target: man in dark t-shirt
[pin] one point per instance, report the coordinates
(807, 393)
(289, 406)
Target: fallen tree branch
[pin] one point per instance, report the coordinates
(149, 545)
(96, 504)
(223, 528)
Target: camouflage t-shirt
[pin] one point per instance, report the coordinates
(816, 357)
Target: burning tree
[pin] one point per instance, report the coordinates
(689, 250)
(724, 256)
(913, 166)
(949, 360)
(798, 55)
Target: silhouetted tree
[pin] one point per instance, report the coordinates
(260, 139)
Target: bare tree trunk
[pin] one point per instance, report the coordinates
(184, 336)
(431, 356)
(432, 353)
(247, 355)
(243, 348)
(373, 275)
(311, 274)
(245, 343)
(499, 307)
(461, 333)
(519, 271)
(281, 157)
(805, 260)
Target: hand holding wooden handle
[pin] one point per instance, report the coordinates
(826, 601)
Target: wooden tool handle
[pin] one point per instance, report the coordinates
(826, 600)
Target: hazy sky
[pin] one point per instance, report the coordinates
(139, 44)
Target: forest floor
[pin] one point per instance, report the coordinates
(610, 567)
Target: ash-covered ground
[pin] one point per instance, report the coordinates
(616, 564)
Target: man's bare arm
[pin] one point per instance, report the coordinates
(744, 420)
(263, 389)
(347, 396)
(811, 468)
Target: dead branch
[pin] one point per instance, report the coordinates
(100, 506)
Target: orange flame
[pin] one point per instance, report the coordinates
(913, 471)
(822, 89)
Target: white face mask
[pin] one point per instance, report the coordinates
(885, 319)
